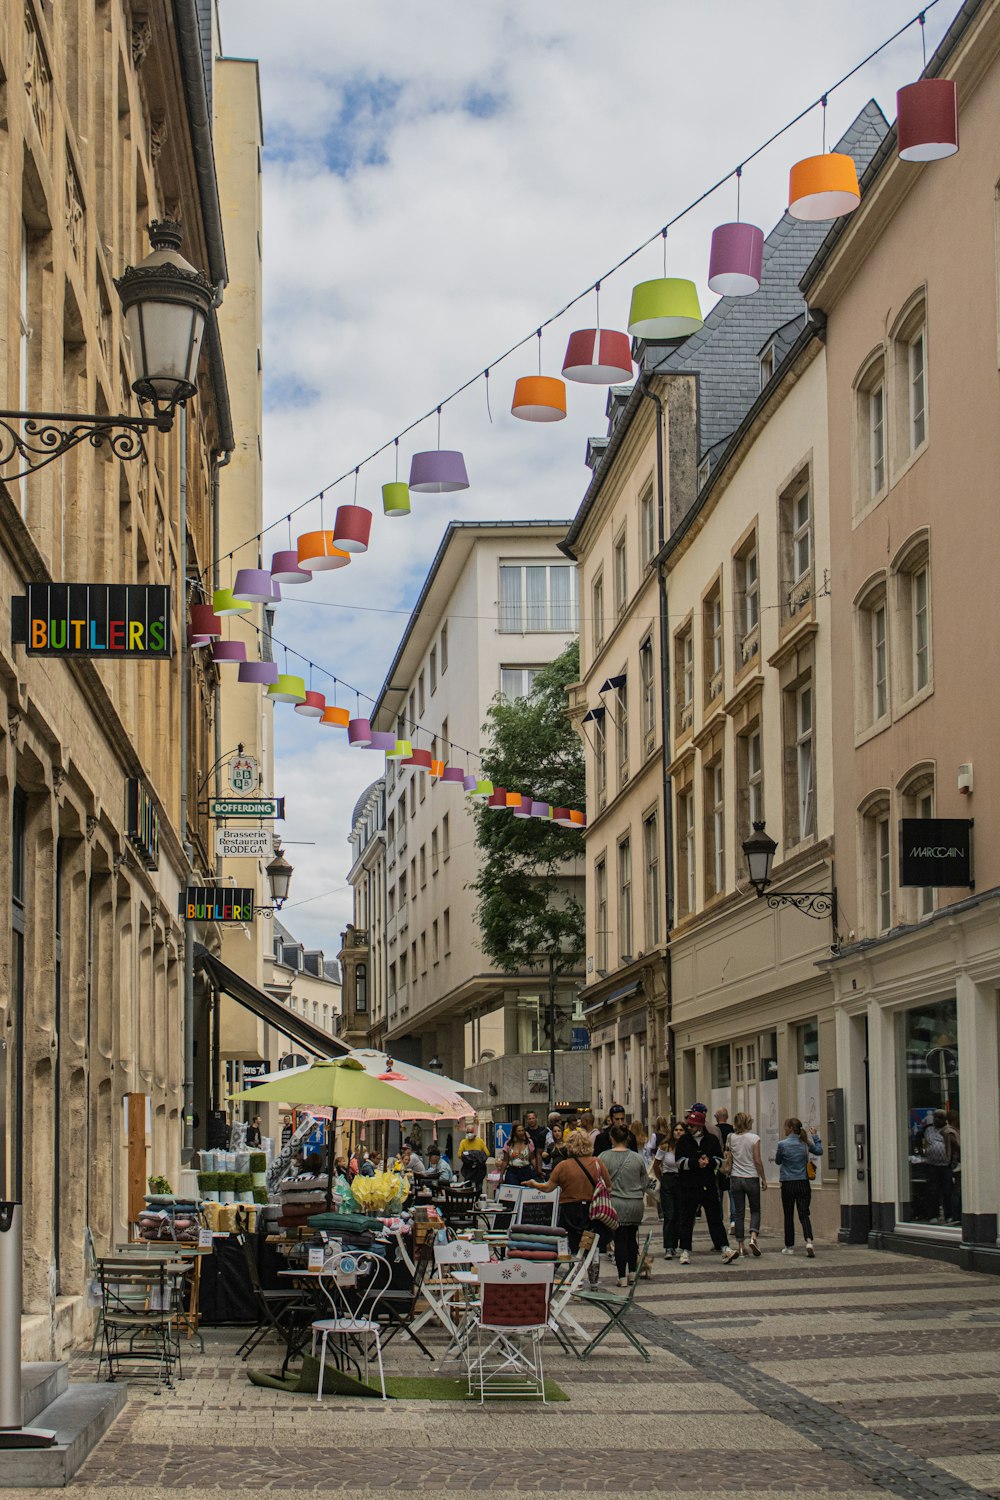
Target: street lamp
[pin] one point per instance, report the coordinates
(166, 302)
(279, 878)
(760, 849)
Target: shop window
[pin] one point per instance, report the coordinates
(929, 1082)
(807, 1047)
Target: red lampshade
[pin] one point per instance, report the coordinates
(927, 119)
(499, 797)
(352, 527)
(420, 760)
(314, 706)
(598, 356)
(204, 621)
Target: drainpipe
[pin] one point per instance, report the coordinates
(219, 461)
(668, 807)
(188, 1084)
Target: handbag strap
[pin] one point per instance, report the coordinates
(593, 1181)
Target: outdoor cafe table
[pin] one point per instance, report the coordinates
(314, 1281)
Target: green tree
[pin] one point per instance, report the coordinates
(527, 910)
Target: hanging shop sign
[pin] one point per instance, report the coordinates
(244, 843)
(93, 619)
(142, 823)
(580, 1039)
(217, 903)
(244, 773)
(254, 1070)
(247, 807)
(936, 852)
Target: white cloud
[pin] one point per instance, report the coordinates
(438, 178)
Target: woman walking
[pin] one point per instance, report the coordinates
(665, 1170)
(576, 1178)
(792, 1156)
(628, 1177)
(746, 1179)
(517, 1156)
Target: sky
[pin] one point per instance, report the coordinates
(440, 176)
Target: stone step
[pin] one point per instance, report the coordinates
(40, 1385)
(80, 1417)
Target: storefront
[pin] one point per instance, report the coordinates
(917, 1025)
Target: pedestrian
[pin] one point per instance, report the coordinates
(576, 1179)
(746, 1179)
(587, 1124)
(518, 1157)
(665, 1170)
(792, 1157)
(555, 1150)
(699, 1157)
(616, 1116)
(537, 1135)
(953, 1135)
(253, 1134)
(641, 1134)
(472, 1157)
(937, 1144)
(724, 1130)
(628, 1176)
(287, 1130)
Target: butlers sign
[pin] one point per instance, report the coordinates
(217, 903)
(93, 619)
(935, 852)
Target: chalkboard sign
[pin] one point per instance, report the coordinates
(542, 1209)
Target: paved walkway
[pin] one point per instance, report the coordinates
(854, 1375)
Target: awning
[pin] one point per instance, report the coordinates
(620, 994)
(266, 1009)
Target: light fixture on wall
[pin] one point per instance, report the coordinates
(759, 850)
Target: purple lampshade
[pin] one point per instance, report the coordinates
(195, 640)
(438, 472)
(359, 733)
(255, 584)
(540, 810)
(734, 267)
(454, 773)
(524, 810)
(229, 651)
(470, 783)
(264, 672)
(285, 568)
(382, 740)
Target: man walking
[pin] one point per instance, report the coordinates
(616, 1116)
(699, 1158)
(537, 1135)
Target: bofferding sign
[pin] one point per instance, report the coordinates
(217, 903)
(935, 851)
(244, 843)
(93, 619)
(246, 807)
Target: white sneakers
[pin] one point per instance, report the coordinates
(622, 1281)
(728, 1256)
(809, 1250)
(685, 1258)
(788, 1250)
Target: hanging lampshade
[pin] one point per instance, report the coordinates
(513, 800)
(439, 471)
(453, 774)
(287, 689)
(318, 552)
(598, 356)
(229, 651)
(401, 750)
(205, 622)
(666, 308)
(420, 760)
(255, 584)
(437, 768)
(736, 259)
(225, 602)
(195, 640)
(577, 819)
(539, 398)
(382, 740)
(352, 527)
(262, 672)
(313, 706)
(497, 798)
(523, 809)
(540, 810)
(285, 568)
(469, 783)
(396, 499)
(823, 187)
(359, 733)
(336, 718)
(481, 791)
(927, 119)
(561, 816)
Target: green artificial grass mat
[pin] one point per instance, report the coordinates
(397, 1387)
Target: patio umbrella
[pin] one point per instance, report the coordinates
(339, 1084)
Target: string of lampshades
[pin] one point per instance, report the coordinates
(823, 187)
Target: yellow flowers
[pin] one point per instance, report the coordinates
(374, 1194)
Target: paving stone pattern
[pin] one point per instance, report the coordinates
(771, 1378)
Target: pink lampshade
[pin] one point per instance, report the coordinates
(285, 567)
(194, 640)
(523, 810)
(440, 471)
(255, 584)
(927, 119)
(382, 740)
(314, 706)
(736, 260)
(598, 356)
(420, 760)
(229, 651)
(205, 622)
(454, 773)
(264, 672)
(359, 733)
(352, 527)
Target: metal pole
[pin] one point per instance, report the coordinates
(10, 1315)
(188, 1084)
(552, 1032)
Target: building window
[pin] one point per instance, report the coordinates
(917, 388)
(920, 626)
(684, 677)
(600, 756)
(913, 658)
(796, 548)
(423, 866)
(876, 441)
(876, 864)
(446, 929)
(870, 432)
(746, 587)
(872, 657)
(910, 380)
(432, 669)
(721, 1067)
(434, 851)
(621, 731)
(766, 365)
(517, 682)
(361, 989)
(392, 979)
(704, 469)
(879, 661)
(423, 953)
(715, 829)
(685, 853)
(929, 1069)
(621, 575)
(647, 526)
(601, 913)
(537, 597)
(597, 612)
(712, 635)
(749, 780)
(435, 941)
(13, 1084)
(917, 801)
(647, 688)
(444, 649)
(800, 764)
(651, 861)
(421, 696)
(446, 837)
(412, 705)
(625, 901)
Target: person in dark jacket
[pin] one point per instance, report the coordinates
(699, 1156)
(616, 1116)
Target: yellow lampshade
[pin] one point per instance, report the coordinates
(287, 689)
(224, 602)
(666, 308)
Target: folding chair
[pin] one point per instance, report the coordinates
(367, 1278)
(399, 1306)
(511, 1321)
(615, 1308)
(277, 1311)
(138, 1322)
(561, 1320)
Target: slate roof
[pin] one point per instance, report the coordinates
(359, 806)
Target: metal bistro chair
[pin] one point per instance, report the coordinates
(561, 1320)
(366, 1277)
(278, 1311)
(615, 1308)
(512, 1318)
(458, 1208)
(139, 1318)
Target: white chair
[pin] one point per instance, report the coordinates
(536, 1207)
(512, 1318)
(367, 1277)
(561, 1320)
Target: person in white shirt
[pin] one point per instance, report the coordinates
(746, 1179)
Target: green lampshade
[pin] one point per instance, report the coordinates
(396, 499)
(402, 750)
(224, 602)
(666, 308)
(287, 689)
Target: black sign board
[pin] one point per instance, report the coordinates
(93, 619)
(142, 823)
(217, 903)
(935, 851)
(252, 1070)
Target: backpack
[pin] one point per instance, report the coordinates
(934, 1147)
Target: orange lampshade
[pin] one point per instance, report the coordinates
(823, 187)
(318, 552)
(514, 799)
(339, 718)
(437, 767)
(539, 398)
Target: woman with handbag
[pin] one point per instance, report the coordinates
(628, 1176)
(665, 1170)
(746, 1178)
(584, 1195)
(796, 1168)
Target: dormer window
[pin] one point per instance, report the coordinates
(766, 365)
(704, 469)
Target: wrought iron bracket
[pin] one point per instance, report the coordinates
(818, 904)
(39, 438)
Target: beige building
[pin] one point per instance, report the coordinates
(498, 603)
(304, 980)
(909, 289)
(363, 949)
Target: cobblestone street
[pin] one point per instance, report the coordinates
(856, 1374)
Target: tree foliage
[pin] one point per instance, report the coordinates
(527, 910)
